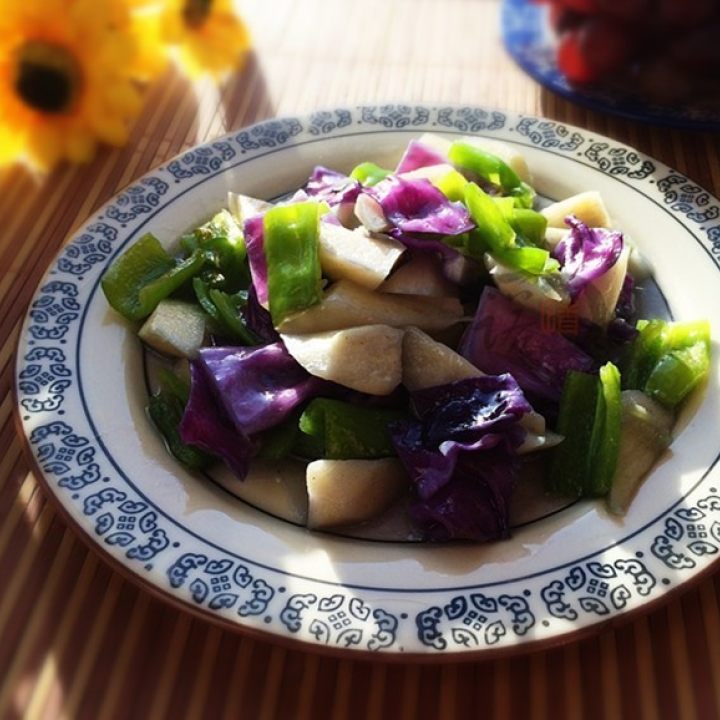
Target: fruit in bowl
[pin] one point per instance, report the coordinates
(664, 51)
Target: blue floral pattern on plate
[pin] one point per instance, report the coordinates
(112, 508)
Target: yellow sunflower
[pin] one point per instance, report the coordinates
(67, 70)
(206, 36)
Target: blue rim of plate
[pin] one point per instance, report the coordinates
(480, 617)
(529, 40)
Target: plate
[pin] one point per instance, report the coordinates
(81, 396)
(531, 41)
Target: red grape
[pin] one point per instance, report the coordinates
(572, 61)
(606, 45)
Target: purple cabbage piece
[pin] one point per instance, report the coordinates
(258, 386)
(205, 425)
(586, 254)
(258, 319)
(625, 307)
(417, 206)
(418, 155)
(474, 505)
(254, 234)
(460, 454)
(332, 186)
(505, 337)
(621, 329)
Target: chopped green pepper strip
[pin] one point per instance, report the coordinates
(166, 408)
(647, 349)
(669, 359)
(280, 441)
(570, 468)
(529, 225)
(494, 234)
(223, 243)
(452, 186)
(224, 310)
(165, 285)
(590, 415)
(142, 263)
(605, 443)
(492, 168)
(369, 174)
(293, 262)
(677, 373)
(342, 431)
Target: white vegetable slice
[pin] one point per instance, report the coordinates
(243, 206)
(174, 328)
(598, 300)
(427, 363)
(356, 255)
(588, 207)
(553, 235)
(370, 213)
(440, 143)
(539, 294)
(433, 173)
(347, 492)
(368, 358)
(645, 434)
(534, 442)
(421, 275)
(275, 486)
(347, 304)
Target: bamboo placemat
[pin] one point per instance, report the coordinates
(79, 641)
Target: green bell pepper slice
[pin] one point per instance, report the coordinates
(529, 225)
(293, 263)
(222, 240)
(570, 467)
(224, 310)
(341, 431)
(144, 275)
(605, 443)
(166, 408)
(452, 186)
(369, 174)
(492, 168)
(495, 234)
(669, 359)
(677, 373)
(590, 416)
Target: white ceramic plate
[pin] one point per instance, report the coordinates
(81, 397)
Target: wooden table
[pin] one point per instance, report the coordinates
(79, 641)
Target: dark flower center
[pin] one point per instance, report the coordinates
(195, 12)
(47, 77)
